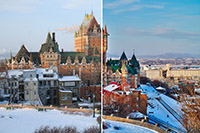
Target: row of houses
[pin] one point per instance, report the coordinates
(41, 86)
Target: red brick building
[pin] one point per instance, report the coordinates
(122, 100)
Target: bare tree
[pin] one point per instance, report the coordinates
(191, 112)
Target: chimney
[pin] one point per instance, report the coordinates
(62, 50)
(53, 35)
(74, 72)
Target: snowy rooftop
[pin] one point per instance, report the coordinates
(29, 79)
(136, 115)
(69, 78)
(111, 87)
(15, 73)
(66, 91)
(44, 71)
(160, 88)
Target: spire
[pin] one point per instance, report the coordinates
(92, 12)
(10, 54)
(105, 29)
(48, 37)
(123, 56)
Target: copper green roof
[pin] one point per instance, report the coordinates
(123, 56)
(80, 55)
(49, 44)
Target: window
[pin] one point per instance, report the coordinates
(44, 83)
(55, 92)
(31, 75)
(49, 83)
(55, 83)
(26, 92)
(26, 84)
(66, 97)
(34, 92)
(34, 84)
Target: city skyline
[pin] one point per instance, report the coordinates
(28, 22)
(152, 27)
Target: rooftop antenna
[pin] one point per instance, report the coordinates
(92, 11)
(134, 51)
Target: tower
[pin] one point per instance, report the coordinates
(88, 36)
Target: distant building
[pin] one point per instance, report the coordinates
(169, 71)
(122, 71)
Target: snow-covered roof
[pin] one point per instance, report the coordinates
(197, 90)
(136, 115)
(66, 91)
(111, 87)
(160, 88)
(46, 71)
(69, 78)
(14, 73)
(29, 79)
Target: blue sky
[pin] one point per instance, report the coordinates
(28, 22)
(152, 27)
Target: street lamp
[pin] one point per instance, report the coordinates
(93, 105)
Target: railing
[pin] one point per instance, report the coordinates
(174, 113)
(40, 108)
(135, 122)
(165, 124)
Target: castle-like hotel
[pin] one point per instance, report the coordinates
(85, 61)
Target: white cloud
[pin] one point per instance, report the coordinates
(138, 7)
(169, 33)
(71, 29)
(2, 51)
(115, 4)
(18, 5)
(130, 7)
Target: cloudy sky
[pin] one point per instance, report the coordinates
(28, 22)
(152, 27)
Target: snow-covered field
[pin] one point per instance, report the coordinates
(126, 128)
(27, 120)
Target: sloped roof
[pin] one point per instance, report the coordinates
(123, 56)
(80, 55)
(49, 44)
(23, 52)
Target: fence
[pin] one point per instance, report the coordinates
(135, 122)
(43, 108)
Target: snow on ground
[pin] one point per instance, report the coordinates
(27, 120)
(157, 110)
(126, 128)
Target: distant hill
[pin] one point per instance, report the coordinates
(5, 55)
(166, 55)
(172, 55)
